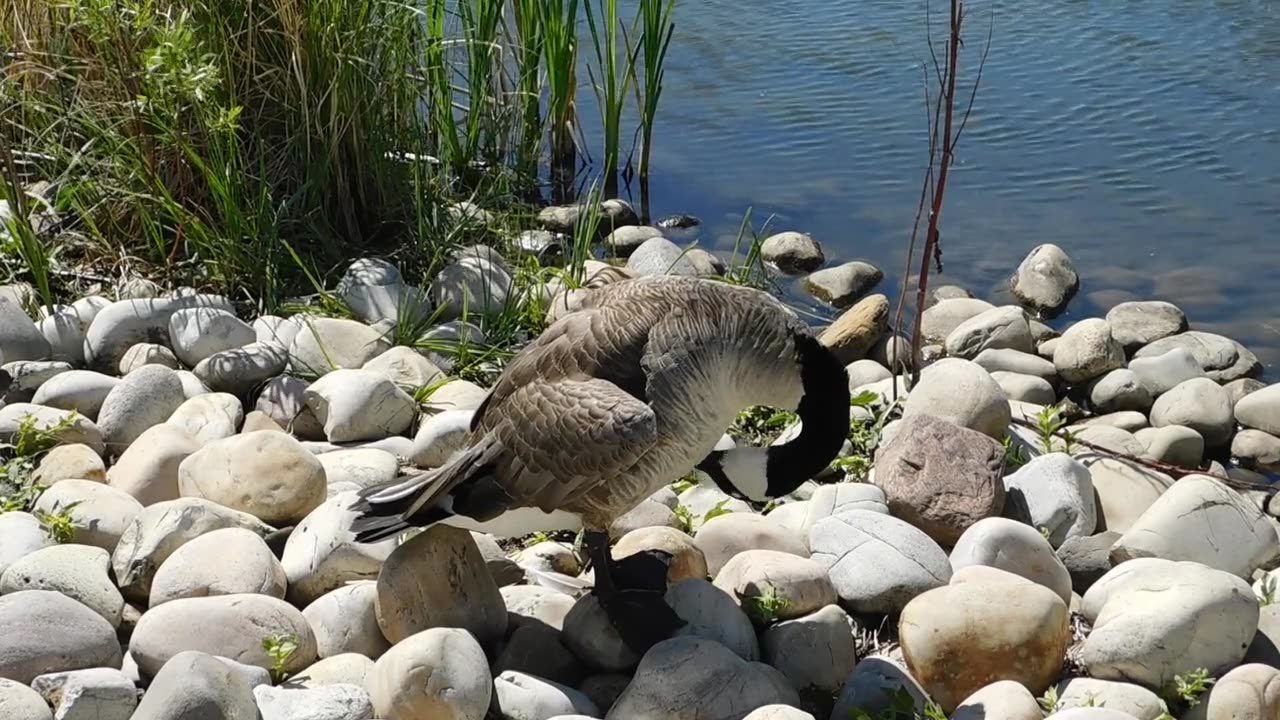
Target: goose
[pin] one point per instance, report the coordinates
(628, 393)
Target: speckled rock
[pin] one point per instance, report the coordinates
(962, 392)
(77, 571)
(437, 673)
(19, 702)
(1087, 350)
(144, 398)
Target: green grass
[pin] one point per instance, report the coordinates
(611, 79)
(657, 28)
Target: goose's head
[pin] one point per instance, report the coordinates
(761, 474)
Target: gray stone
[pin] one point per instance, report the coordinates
(439, 436)
(1025, 388)
(1238, 389)
(266, 474)
(328, 702)
(1087, 350)
(1016, 548)
(792, 252)
(228, 561)
(143, 354)
(344, 621)
(1139, 323)
(1119, 390)
(521, 696)
(231, 626)
(712, 613)
(1155, 618)
(538, 649)
(47, 631)
(192, 386)
(872, 686)
(625, 240)
(357, 468)
(124, 323)
(940, 477)
(1172, 444)
(1222, 359)
(437, 673)
(1046, 280)
(1129, 421)
(197, 333)
(536, 605)
(20, 535)
(162, 528)
(239, 370)
(411, 598)
(347, 668)
(842, 285)
(197, 686)
(1004, 699)
(660, 256)
(90, 694)
(321, 553)
(877, 562)
(375, 290)
(19, 336)
(19, 702)
(1256, 449)
(80, 390)
(1124, 489)
(64, 326)
(478, 284)
(144, 398)
(101, 513)
(1053, 492)
(455, 395)
(357, 405)
(998, 328)
(26, 377)
(148, 470)
(864, 372)
(962, 392)
(1015, 361)
(941, 319)
(817, 650)
(715, 683)
(1260, 410)
(275, 331)
(283, 399)
(406, 367)
(591, 636)
(1200, 404)
(325, 344)
(828, 500)
(68, 427)
(1135, 700)
(1161, 373)
(77, 571)
(1200, 519)
(856, 331)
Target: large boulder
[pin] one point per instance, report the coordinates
(45, 631)
(269, 475)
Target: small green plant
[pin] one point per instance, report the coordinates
(765, 608)
(1049, 701)
(684, 483)
(684, 518)
(1187, 687)
(279, 647)
(760, 425)
(1267, 588)
(901, 706)
(1015, 455)
(1045, 532)
(1050, 424)
(58, 523)
(536, 537)
(716, 511)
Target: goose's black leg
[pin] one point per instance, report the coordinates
(632, 593)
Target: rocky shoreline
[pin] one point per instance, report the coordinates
(1068, 524)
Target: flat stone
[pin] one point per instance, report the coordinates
(239, 370)
(77, 571)
(1053, 492)
(437, 673)
(997, 328)
(1155, 618)
(80, 390)
(1087, 350)
(266, 474)
(321, 553)
(1016, 548)
(1015, 361)
(794, 253)
(1045, 280)
(844, 284)
(941, 477)
(97, 693)
(877, 562)
(47, 631)
(1200, 404)
(962, 392)
(1141, 322)
(1004, 631)
(355, 405)
(228, 561)
(941, 319)
(325, 344)
(857, 329)
(1200, 519)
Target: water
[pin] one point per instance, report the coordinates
(1141, 136)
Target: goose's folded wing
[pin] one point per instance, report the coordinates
(563, 437)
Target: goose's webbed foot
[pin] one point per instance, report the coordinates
(632, 592)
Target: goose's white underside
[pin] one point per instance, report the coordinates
(519, 522)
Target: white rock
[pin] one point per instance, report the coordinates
(266, 474)
(209, 417)
(143, 399)
(193, 683)
(1001, 327)
(19, 702)
(20, 535)
(148, 470)
(19, 336)
(101, 513)
(229, 561)
(1172, 444)
(778, 711)
(455, 395)
(239, 370)
(359, 405)
(877, 562)
(375, 290)
(1046, 279)
(283, 399)
(321, 554)
(406, 367)
(1161, 373)
(276, 331)
(80, 390)
(162, 528)
(1056, 493)
(1128, 698)
(347, 668)
(437, 673)
(77, 571)
(124, 323)
(480, 286)
(357, 468)
(192, 386)
(344, 621)
(92, 694)
(1140, 323)
(1260, 410)
(1014, 547)
(1200, 404)
(527, 697)
(1086, 351)
(724, 536)
(962, 392)
(197, 333)
(1256, 449)
(1203, 520)
(142, 354)
(1004, 699)
(941, 319)
(1125, 490)
(230, 626)
(46, 632)
(439, 436)
(828, 500)
(1025, 388)
(329, 702)
(1119, 390)
(325, 344)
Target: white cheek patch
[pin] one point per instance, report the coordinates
(745, 468)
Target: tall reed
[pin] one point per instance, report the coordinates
(528, 41)
(610, 80)
(560, 53)
(656, 29)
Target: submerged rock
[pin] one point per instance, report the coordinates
(1046, 280)
(843, 285)
(1136, 324)
(792, 252)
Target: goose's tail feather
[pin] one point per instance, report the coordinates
(418, 500)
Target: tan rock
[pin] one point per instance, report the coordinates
(802, 585)
(724, 536)
(258, 420)
(148, 470)
(70, 462)
(858, 328)
(960, 638)
(266, 474)
(441, 673)
(687, 560)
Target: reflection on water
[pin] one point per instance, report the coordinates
(1142, 136)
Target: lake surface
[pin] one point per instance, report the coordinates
(1142, 136)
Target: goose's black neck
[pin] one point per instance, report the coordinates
(824, 419)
